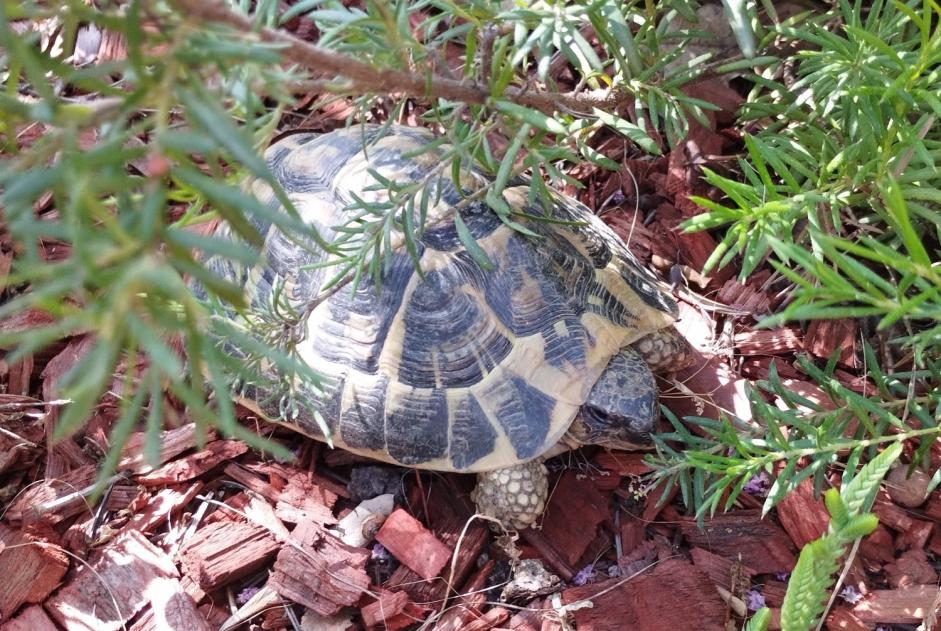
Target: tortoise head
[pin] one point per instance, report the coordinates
(621, 410)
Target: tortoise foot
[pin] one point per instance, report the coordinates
(516, 496)
(664, 351)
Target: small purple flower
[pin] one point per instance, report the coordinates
(758, 485)
(379, 553)
(754, 600)
(614, 571)
(246, 594)
(585, 575)
(850, 594)
(781, 576)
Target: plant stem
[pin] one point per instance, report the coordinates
(357, 76)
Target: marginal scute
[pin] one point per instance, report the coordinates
(416, 425)
(472, 435)
(523, 412)
(361, 419)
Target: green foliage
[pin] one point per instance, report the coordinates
(135, 154)
(760, 621)
(840, 178)
(819, 560)
(713, 460)
(124, 208)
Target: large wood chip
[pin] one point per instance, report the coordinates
(803, 516)
(759, 543)
(413, 545)
(898, 606)
(31, 568)
(572, 517)
(55, 499)
(33, 618)
(222, 552)
(319, 571)
(120, 580)
(673, 595)
(196, 464)
(172, 443)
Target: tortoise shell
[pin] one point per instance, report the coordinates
(458, 368)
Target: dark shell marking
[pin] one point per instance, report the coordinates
(469, 369)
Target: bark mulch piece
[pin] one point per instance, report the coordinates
(224, 551)
(898, 606)
(319, 571)
(413, 545)
(392, 611)
(803, 516)
(760, 544)
(194, 465)
(119, 581)
(641, 602)
(33, 618)
(32, 566)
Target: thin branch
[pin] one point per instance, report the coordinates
(353, 75)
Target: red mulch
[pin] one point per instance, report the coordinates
(222, 533)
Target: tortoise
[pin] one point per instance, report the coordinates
(462, 368)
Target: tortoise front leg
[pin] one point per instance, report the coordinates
(664, 351)
(516, 496)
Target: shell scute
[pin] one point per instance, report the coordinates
(417, 426)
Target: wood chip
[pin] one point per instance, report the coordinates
(803, 516)
(454, 618)
(639, 603)
(319, 571)
(172, 442)
(877, 548)
(252, 482)
(31, 567)
(119, 581)
(534, 617)
(55, 499)
(33, 618)
(573, 514)
(768, 341)
(413, 545)
(451, 531)
(623, 463)
(915, 531)
(898, 606)
(384, 611)
(195, 465)
(170, 608)
(222, 552)
(744, 298)
(494, 617)
(759, 543)
(303, 499)
(710, 389)
(826, 336)
(721, 570)
(841, 619)
(911, 568)
(164, 504)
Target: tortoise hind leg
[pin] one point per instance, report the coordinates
(516, 496)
